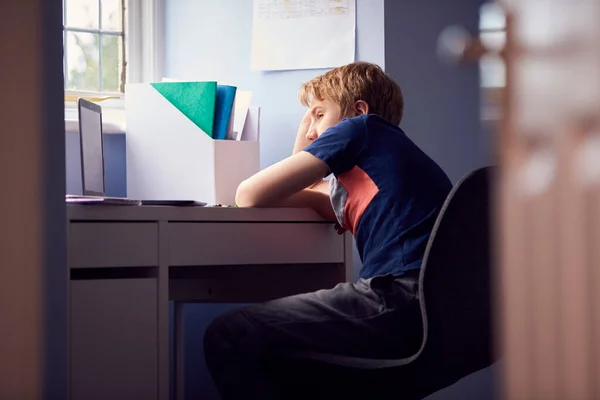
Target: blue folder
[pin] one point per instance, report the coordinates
(223, 107)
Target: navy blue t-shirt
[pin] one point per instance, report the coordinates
(385, 190)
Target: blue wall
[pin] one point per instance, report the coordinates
(441, 100)
(197, 47)
(441, 111)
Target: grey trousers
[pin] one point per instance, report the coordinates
(246, 350)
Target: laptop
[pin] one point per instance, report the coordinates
(92, 158)
(92, 164)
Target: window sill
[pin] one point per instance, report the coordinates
(109, 128)
(113, 118)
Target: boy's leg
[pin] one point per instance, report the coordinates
(377, 318)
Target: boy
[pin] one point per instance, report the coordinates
(387, 192)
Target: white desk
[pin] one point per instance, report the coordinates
(126, 263)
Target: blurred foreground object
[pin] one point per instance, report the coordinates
(548, 196)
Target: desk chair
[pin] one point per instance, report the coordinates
(455, 298)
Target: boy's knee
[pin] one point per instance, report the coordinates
(232, 331)
(219, 330)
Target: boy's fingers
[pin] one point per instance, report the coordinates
(340, 230)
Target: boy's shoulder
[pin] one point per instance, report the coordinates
(361, 127)
(373, 135)
(367, 119)
(371, 123)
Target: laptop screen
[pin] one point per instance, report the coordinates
(92, 163)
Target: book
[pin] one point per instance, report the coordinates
(195, 100)
(224, 111)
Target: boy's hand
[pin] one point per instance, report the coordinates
(340, 230)
(304, 123)
(301, 141)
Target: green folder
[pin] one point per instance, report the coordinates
(195, 100)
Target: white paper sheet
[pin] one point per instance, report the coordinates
(251, 131)
(303, 34)
(240, 111)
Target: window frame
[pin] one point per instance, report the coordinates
(146, 38)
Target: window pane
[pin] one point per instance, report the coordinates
(83, 61)
(491, 17)
(83, 13)
(111, 15)
(493, 71)
(112, 47)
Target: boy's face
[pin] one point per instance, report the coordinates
(323, 115)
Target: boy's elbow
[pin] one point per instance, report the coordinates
(245, 196)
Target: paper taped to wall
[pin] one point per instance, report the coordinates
(303, 34)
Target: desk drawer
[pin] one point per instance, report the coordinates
(113, 244)
(253, 243)
(113, 339)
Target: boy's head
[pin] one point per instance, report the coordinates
(354, 89)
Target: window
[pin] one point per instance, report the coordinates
(108, 43)
(94, 45)
(492, 32)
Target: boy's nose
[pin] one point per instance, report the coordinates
(311, 134)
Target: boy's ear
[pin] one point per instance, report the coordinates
(361, 107)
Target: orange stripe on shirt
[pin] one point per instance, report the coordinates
(361, 190)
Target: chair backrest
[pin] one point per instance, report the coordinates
(455, 284)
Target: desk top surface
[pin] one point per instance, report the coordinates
(76, 212)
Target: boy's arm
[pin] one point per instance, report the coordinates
(275, 185)
(321, 186)
(301, 143)
(317, 200)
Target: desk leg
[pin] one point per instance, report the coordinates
(179, 351)
(163, 312)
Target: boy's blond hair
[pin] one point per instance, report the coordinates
(357, 81)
